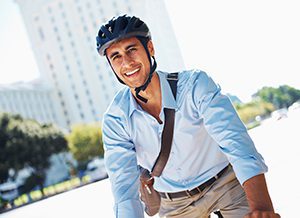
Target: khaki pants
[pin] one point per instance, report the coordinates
(226, 195)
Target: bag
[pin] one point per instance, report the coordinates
(149, 195)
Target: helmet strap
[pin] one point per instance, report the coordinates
(121, 81)
(144, 86)
(144, 42)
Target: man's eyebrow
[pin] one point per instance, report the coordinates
(131, 45)
(113, 54)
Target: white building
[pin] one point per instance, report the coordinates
(32, 100)
(62, 35)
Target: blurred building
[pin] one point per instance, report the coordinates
(62, 35)
(32, 100)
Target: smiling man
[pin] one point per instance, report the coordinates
(213, 163)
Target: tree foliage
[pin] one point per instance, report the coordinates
(26, 143)
(249, 111)
(85, 142)
(280, 97)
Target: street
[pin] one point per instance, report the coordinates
(276, 140)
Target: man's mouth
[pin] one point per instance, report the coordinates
(132, 72)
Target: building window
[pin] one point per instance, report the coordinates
(41, 33)
(93, 112)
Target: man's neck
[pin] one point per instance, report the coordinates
(151, 93)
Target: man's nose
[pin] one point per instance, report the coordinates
(127, 60)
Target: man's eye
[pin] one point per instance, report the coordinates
(131, 49)
(115, 57)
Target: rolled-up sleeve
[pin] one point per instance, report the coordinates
(225, 127)
(121, 165)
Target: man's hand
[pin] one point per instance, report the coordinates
(262, 214)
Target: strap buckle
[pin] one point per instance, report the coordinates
(188, 193)
(172, 76)
(168, 196)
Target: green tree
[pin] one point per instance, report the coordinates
(85, 143)
(248, 112)
(280, 97)
(26, 143)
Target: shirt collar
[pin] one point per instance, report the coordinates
(168, 100)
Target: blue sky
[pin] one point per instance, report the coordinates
(243, 45)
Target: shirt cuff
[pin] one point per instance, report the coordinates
(248, 167)
(129, 209)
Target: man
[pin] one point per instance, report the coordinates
(209, 138)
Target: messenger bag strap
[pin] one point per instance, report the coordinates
(167, 134)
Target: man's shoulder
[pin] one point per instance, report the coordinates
(188, 78)
(185, 75)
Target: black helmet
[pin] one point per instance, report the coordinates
(120, 28)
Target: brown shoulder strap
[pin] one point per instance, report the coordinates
(167, 134)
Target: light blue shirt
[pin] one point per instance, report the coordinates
(208, 134)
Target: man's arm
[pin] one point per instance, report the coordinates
(258, 198)
(121, 166)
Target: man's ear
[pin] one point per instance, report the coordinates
(150, 48)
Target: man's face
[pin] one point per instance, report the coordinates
(129, 61)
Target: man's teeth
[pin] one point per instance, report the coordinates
(132, 72)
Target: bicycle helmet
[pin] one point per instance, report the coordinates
(125, 27)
